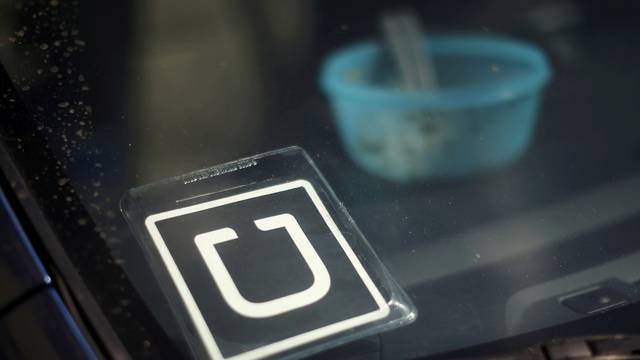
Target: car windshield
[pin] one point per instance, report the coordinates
(489, 151)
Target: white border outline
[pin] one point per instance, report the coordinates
(194, 312)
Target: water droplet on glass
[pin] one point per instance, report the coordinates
(63, 181)
(63, 104)
(44, 46)
(25, 87)
(79, 42)
(54, 69)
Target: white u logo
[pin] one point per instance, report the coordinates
(321, 281)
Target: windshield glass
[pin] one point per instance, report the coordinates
(488, 151)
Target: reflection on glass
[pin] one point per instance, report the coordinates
(481, 113)
(126, 93)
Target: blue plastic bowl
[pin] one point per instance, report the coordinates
(482, 114)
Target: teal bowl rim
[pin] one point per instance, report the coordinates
(507, 88)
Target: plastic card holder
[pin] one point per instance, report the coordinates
(258, 259)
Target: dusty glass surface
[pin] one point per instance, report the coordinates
(491, 236)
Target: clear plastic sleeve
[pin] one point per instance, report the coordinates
(258, 259)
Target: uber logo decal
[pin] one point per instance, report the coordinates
(264, 271)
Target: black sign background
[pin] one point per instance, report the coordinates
(264, 266)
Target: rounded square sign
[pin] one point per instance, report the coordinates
(264, 271)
